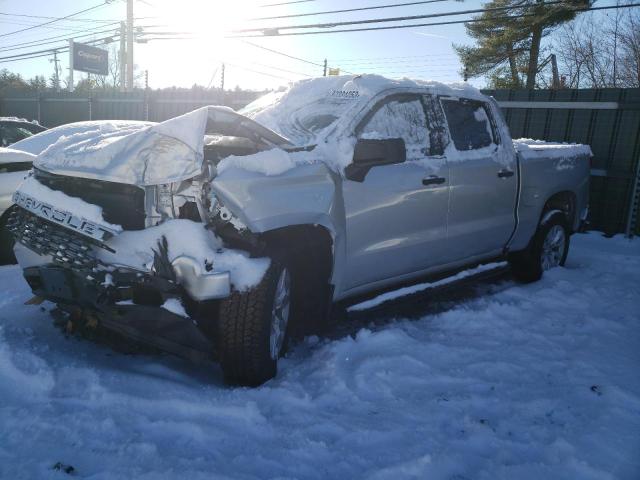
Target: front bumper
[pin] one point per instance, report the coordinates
(42, 243)
(132, 309)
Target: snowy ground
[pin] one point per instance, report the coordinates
(506, 382)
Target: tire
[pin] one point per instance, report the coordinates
(548, 249)
(247, 351)
(6, 244)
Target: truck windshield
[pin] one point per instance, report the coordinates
(300, 119)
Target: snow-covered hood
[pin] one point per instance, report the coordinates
(35, 144)
(9, 155)
(144, 155)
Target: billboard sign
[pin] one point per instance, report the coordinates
(89, 59)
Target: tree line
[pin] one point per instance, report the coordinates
(515, 39)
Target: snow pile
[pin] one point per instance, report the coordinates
(420, 287)
(175, 306)
(268, 162)
(185, 238)
(62, 201)
(37, 143)
(523, 382)
(529, 148)
(11, 155)
(18, 119)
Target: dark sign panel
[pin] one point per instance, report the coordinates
(90, 59)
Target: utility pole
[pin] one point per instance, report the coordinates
(324, 74)
(554, 72)
(56, 73)
(130, 45)
(123, 56)
(222, 78)
(70, 86)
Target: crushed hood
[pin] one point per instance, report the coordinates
(144, 155)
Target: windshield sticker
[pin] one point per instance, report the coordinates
(344, 93)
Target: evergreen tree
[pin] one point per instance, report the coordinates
(38, 83)
(508, 41)
(13, 81)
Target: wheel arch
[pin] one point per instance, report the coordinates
(565, 201)
(309, 251)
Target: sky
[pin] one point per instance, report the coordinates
(421, 52)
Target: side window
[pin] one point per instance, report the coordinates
(470, 124)
(12, 134)
(400, 118)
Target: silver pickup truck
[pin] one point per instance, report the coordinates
(224, 234)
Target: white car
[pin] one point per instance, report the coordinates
(17, 160)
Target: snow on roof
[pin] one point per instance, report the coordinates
(309, 109)
(18, 119)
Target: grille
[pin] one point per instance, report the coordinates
(121, 204)
(67, 248)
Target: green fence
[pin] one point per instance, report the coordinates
(52, 109)
(606, 119)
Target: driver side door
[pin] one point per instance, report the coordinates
(396, 216)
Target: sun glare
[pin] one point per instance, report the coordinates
(203, 28)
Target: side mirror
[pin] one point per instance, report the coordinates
(369, 153)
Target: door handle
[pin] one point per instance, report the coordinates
(505, 173)
(433, 180)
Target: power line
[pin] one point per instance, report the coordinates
(42, 17)
(57, 38)
(328, 12)
(415, 25)
(44, 53)
(383, 20)
(282, 69)
(40, 41)
(48, 27)
(286, 55)
(258, 71)
(284, 3)
(283, 54)
(359, 59)
(55, 20)
(400, 62)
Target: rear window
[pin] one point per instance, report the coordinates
(469, 124)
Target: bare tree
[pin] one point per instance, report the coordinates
(112, 79)
(597, 50)
(629, 68)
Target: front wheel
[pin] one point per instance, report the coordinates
(252, 328)
(6, 244)
(548, 249)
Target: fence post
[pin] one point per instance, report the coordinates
(90, 101)
(39, 97)
(146, 104)
(634, 204)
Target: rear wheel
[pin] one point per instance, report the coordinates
(253, 328)
(548, 249)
